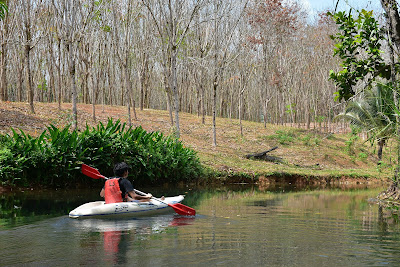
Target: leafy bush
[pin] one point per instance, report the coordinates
(283, 137)
(54, 158)
(363, 156)
(350, 144)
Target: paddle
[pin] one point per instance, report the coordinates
(178, 207)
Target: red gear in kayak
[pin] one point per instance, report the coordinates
(112, 192)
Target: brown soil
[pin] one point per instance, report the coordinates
(326, 157)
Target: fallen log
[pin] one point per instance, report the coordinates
(264, 156)
(261, 154)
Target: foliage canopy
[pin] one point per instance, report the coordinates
(359, 42)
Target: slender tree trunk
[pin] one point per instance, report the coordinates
(240, 110)
(28, 48)
(214, 109)
(134, 110)
(168, 94)
(264, 88)
(72, 73)
(203, 108)
(95, 85)
(51, 91)
(127, 93)
(391, 9)
(20, 74)
(59, 81)
(143, 80)
(392, 21)
(29, 89)
(4, 85)
(175, 92)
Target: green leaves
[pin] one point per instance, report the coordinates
(358, 45)
(3, 9)
(374, 113)
(54, 157)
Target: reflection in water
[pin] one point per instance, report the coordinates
(24, 207)
(118, 234)
(116, 246)
(182, 220)
(241, 226)
(388, 216)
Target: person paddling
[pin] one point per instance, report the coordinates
(120, 189)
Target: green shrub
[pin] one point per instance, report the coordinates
(54, 158)
(350, 144)
(363, 156)
(283, 137)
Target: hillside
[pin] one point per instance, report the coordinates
(307, 155)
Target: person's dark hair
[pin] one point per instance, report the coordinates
(120, 168)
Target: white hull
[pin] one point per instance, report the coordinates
(99, 209)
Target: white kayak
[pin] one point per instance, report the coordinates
(99, 209)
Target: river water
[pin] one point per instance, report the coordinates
(234, 226)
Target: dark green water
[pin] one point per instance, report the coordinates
(233, 227)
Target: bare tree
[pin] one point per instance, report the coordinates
(173, 20)
(4, 44)
(222, 54)
(28, 46)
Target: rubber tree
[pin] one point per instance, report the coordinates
(271, 22)
(4, 43)
(72, 24)
(122, 49)
(222, 56)
(28, 46)
(173, 20)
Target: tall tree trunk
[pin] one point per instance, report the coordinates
(143, 80)
(20, 75)
(240, 110)
(264, 87)
(3, 92)
(127, 93)
(28, 48)
(214, 109)
(393, 22)
(29, 88)
(175, 91)
(381, 144)
(59, 81)
(72, 73)
(391, 9)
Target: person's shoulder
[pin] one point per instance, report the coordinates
(124, 180)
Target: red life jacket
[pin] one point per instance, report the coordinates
(112, 192)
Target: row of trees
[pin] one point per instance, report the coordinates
(248, 59)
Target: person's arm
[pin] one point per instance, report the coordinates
(135, 196)
(102, 194)
(125, 183)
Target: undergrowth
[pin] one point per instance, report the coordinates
(55, 156)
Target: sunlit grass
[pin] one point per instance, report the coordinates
(300, 149)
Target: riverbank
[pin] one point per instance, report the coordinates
(302, 156)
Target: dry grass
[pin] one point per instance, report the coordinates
(309, 153)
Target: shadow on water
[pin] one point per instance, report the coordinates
(24, 207)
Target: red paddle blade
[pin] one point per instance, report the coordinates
(91, 172)
(182, 209)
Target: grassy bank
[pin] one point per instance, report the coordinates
(305, 155)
